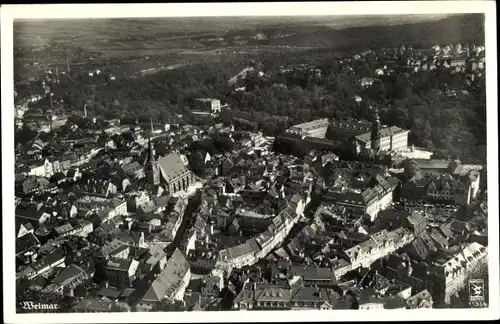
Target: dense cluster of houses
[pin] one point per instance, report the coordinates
(120, 218)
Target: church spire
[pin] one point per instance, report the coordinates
(152, 168)
(151, 155)
(375, 132)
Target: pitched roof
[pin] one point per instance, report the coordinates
(67, 275)
(131, 168)
(170, 279)
(384, 132)
(26, 242)
(172, 166)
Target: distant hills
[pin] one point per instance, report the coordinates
(163, 36)
(455, 29)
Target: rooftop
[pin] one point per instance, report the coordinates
(172, 166)
(170, 279)
(384, 132)
(312, 124)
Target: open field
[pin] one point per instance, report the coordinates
(128, 43)
(112, 34)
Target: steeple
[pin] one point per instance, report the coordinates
(375, 132)
(151, 155)
(152, 167)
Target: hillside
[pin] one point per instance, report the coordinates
(455, 29)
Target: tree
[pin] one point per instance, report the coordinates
(197, 163)
(226, 116)
(224, 144)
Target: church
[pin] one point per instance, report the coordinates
(169, 171)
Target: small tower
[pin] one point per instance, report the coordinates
(375, 133)
(152, 168)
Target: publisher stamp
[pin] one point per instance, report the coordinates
(476, 293)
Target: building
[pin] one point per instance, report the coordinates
(208, 105)
(41, 169)
(377, 246)
(314, 276)
(71, 277)
(453, 275)
(122, 272)
(388, 139)
(175, 174)
(171, 283)
(421, 300)
(416, 221)
(369, 202)
(315, 128)
(446, 187)
(152, 169)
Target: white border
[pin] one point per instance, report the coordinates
(245, 9)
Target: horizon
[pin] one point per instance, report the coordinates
(342, 21)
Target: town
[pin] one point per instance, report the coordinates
(124, 215)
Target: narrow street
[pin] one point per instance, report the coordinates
(187, 221)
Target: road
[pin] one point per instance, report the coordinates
(187, 221)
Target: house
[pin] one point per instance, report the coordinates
(453, 274)
(416, 221)
(211, 286)
(156, 260)
(27, 247)
(378, 245)
(116, 249)
(80, 227)
(121, 273)
(272, 297)
(53, 260)
(41, 169)
(23, 228)
(69, 278)
(93, 305)
(171, 283)
(227, 166)
(314, 276)
(423, 299)
(241, 255)
(313, 298)
(134, 170)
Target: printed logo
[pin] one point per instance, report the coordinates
(476, 293)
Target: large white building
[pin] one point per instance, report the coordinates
(208, 105)
(391, 139)
(316, 128)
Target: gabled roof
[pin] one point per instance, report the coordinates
(170, 279)
(172, 167)
(26, 242)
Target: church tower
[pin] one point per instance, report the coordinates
(152, 167)
(375, 133)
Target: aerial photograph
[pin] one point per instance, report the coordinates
(250, 163)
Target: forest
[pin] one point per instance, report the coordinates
(276, 99)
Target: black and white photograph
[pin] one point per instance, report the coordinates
(241, 157)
